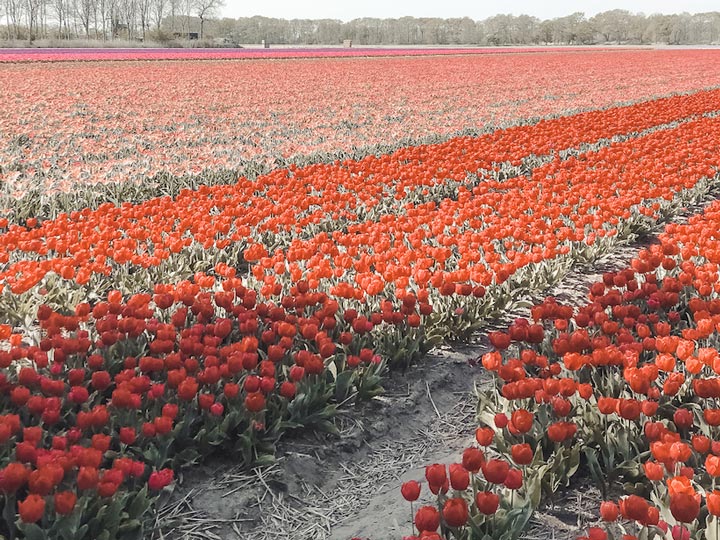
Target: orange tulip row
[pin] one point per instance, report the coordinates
(496, 228)
(289, 204)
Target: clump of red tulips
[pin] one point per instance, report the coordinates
(117, 395)
(478, 496)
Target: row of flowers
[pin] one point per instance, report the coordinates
(113, 398)
(626, 385)
(296, 212)
(76, 55)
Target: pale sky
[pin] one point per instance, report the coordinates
(351, 9)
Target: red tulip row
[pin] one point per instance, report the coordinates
(117, 395)
(628, 381)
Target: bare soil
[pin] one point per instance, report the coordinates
(326, 487)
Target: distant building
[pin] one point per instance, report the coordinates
(186, 35)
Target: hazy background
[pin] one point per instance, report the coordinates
(217, 23)
(345, 11)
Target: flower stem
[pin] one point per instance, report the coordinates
(412, 518)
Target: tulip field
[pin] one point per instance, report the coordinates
(205, 254)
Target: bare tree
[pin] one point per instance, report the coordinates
(61, 12)
(84, 11)
(143, 10)
(114, 17)
(34, 12)
(175, 9)
(128, 11)
(158, 9)
(204, 9)
(13, 12)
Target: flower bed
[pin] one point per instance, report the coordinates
(90, 54)
(71, 123)
(277, 298)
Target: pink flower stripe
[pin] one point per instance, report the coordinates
(70, 123)
(74, 55)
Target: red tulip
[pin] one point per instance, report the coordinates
(522, 420)
(32, 508)
(455, 512)
(713, 502)
(487, 502)
(13, 477)
(459, 477)
(41, 481)
(159, 479)
(685, 507)
(410, 490)
(501, 420)
(522, 454)
(712, 465)
(65, 502)
(217, 409)
(187, 389)
(255, 402)
(127, 435)
(514, 479)
(484, 436)
(427, 518)
(680, 533)
(473, 459)
(435, 475)
(87, 478)
(287, 390)
(634, 507)
(683, 418)
(609, 511)
(496, 471)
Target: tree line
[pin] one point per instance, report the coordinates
(106, 20)
(165, 20)
(616, 26)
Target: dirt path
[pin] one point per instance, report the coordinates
(326, 487)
